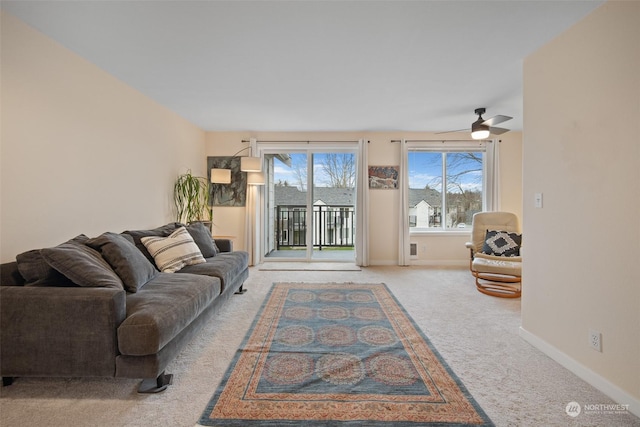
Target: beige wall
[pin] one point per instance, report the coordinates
(581, 150)
(81, 151)
(384, 205)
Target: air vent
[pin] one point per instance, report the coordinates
(413, 249)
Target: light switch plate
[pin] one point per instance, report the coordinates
(537, 200)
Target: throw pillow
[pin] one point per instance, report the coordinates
(202, 237)
(127, 261)
(82, 265)
(175, 251)
(162, 231)
(36, 271)
(502, 243)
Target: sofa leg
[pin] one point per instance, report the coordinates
(7, 381)
(155, 385)
(241, 290)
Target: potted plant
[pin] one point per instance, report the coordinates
(191, 197)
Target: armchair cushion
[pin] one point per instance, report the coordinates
(511, 266)
(502, 243)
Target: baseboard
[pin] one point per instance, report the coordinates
(605, 386)
(425, 262)
(441, 263)
(374, 262)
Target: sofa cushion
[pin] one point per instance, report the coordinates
(162, 309)
(202, 236)
(36, 271)
(82, 265)
(163, 231)
(502, 243)
(126, 260)
(226, 266)
(173, 252)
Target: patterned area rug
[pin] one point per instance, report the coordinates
(339, 354)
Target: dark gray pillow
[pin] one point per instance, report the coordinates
(163, 231)
(202, 236)
(36, 271)
(82, 265)
(126, 260)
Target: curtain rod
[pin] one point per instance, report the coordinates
(395, 141)
(307, 142)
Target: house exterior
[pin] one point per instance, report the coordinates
(333, 216)
(425, 207)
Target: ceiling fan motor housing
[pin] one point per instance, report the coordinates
(478, 125)
(479, 130)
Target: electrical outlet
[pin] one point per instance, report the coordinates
(595, 340)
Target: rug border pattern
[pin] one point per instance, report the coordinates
(236, 400)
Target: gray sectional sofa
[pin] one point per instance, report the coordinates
(101, 307)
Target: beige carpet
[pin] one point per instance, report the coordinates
(308, 266)
(477, 336)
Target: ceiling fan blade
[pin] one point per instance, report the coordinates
(496, 119)
(451, 131)
(498, 131)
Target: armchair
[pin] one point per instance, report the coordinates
(495, 254)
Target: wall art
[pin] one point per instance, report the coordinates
(232, 194)
(383, 177)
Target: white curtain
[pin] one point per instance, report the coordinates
(404, 253)
(362, 205)
(493, 175)
(251, 225)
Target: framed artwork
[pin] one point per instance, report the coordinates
(383, 177)
(233, 194)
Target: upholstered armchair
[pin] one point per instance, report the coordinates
(495, 254)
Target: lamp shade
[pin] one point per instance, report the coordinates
(255, 178)
(250, 164)
(479, 130)
(480, 134)
(221, 176)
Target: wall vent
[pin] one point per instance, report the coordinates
(413, 249)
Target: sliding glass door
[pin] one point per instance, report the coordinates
(333, 206)
(309, 204)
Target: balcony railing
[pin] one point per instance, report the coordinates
(333, 226)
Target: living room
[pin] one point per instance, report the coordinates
(82, 152)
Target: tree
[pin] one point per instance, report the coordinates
(340, 169)
(464, 184)
(299, 168)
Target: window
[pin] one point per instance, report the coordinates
(446, 187)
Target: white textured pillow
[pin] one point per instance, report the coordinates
(173, 252)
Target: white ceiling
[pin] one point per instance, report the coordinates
(314, 65)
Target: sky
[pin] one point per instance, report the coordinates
(425, 168)
(285, 173)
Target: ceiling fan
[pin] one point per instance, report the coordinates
(481, 128)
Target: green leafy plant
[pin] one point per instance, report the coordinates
(191, 197)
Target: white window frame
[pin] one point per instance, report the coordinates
(489, 197)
